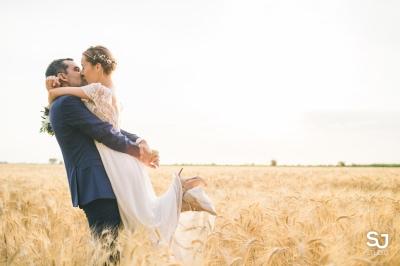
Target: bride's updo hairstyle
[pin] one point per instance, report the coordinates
(100, 54)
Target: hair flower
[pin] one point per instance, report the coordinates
(108, 61)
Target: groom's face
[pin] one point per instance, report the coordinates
(74, 78)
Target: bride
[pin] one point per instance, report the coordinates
(137, 202)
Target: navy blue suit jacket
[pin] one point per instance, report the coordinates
(75, 127)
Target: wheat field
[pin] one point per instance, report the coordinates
(267, 216)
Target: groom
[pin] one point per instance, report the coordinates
(76, 128)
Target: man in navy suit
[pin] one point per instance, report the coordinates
(76, 128)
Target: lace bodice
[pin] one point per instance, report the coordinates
(101, 104)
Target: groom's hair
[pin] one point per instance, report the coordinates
(57, 66)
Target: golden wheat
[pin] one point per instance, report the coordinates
(267, 216)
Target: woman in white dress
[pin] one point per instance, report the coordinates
(138, 204)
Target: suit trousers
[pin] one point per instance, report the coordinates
(103, 214)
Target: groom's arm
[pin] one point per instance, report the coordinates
(133, 137)
(138, 140)
(77, 115)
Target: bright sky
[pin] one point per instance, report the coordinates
(226, 82)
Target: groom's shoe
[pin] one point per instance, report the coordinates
(196, 199)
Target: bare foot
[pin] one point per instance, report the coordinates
(189, 183)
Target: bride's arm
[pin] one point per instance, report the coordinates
(76, 91)
(53, 87)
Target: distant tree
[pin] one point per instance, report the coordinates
(273, 163)
(52, 160)
(341, 164)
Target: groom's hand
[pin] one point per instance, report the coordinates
(146, 159)
(144, 148)
(147, 156)
(156, 158)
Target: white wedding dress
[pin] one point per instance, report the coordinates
(138, 203)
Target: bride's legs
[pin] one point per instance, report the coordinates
(193, 196)
(189, 183)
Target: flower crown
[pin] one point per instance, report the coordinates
(103, 58)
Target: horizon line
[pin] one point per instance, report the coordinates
(247, 164)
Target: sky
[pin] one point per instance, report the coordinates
(226, 82)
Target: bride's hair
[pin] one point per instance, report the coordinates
(100, 54)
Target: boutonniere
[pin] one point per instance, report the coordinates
(46, 127)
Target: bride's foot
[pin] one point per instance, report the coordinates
(196, 199)
(189, 183)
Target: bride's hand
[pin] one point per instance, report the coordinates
(52, 82)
